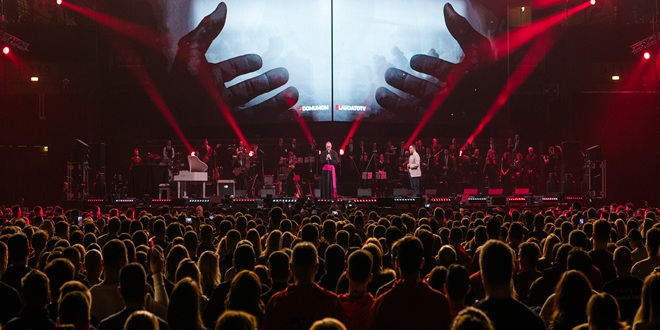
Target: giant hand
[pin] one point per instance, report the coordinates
(477, 50)
(191, 61)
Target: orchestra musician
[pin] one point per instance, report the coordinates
(519, 176)
(380, 175)
(446, 165)
(290, 187)
(329, 160)
(506, 172)
(428, 164)
(532, 167)
(551, 161)
(491, 170)
(205, 152)
(136, 159)
(414, 169)
(168, 153)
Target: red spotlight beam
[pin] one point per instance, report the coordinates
(147, 84)
(454, 77)
(526, 34)
(534, 56)
(303, 126)
(351, 132)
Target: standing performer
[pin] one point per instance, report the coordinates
(136, 159)
(414, 170)
(329, 160)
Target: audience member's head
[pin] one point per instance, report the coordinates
(133, 284)
(142, 320)
(457, 283)
(278, 267)
(236, 320)
(245, 294)
(359, 267)
(571, 296)
(304, 262)
(472, 318)
(648, 314)
(497, 266)
(328, 323)
(35, 289)
(74, 309)
(603, 313)
(410, 256)
(183, 311)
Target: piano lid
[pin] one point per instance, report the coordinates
(196, 165)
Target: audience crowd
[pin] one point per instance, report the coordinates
(293, 268)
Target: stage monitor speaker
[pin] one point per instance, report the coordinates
(400, 192)
(364, 192)
(216, 199)
(226, 187)
(430, 192)
(241, 193)
(265, 191)
(495, 191)
(521, 191)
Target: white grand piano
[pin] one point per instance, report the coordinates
(197, 173)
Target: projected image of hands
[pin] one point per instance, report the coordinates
(329, 60)
(191, 60)
(409, 92)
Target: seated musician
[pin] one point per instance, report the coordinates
(136, 159)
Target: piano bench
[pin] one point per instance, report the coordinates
(164, 188)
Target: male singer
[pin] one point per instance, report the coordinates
(328, 159)
(414, 170)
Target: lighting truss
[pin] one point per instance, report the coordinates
(645, 44)
(13, 41)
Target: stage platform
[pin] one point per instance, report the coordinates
(381, 204)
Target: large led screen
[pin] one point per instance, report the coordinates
(332, 58)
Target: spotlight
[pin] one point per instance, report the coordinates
(5, 50)
(59, 2)
(616, 78)
(341, 152)
(647, 55)
(251, 153)
(593, 2)
(34, 79)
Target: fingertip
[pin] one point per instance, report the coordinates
(255, 62)
(291, 96)
(392, 75)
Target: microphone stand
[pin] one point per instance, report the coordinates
(373, 154)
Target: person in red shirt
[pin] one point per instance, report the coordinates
(303, 303)
(410, 303)
(358, 302)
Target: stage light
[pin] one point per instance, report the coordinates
(647, 55)
(522, 8)
(59, 2)
(193, 153)
(616, 78)
(34, 79)
(5, 50)
(251, 153)
(593, 2)
(341, 152)
(45, 148)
